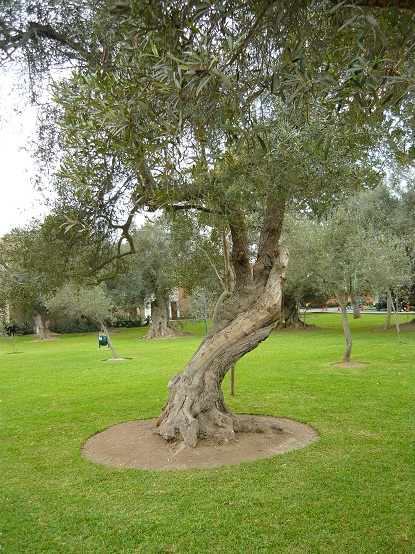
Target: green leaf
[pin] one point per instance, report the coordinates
(348, 22)
(262, 143)
(319, 142)
(371, 20)
(327, 144)
(387, 99)
(225, 79)
(337, 6)
(394, 16)
(327, 78)
(202, 84)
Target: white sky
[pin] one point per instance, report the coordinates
(19, 202)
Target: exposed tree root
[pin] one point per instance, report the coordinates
(214, 425)
(246, 423)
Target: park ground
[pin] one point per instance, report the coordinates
(350, 491)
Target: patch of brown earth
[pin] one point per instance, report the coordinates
(350, 364)
(48, 339)
(134, 444)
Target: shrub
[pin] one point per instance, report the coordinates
(127, 321)
(9, 328)
(26, 328)
(14, 328)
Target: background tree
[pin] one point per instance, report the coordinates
(153, 266)
(300, 286)
(336, 258)
(91, 303)
(200, 255)
(343, 255)
(33, 264)
(38, 259)
(386, 213)
(169, 253)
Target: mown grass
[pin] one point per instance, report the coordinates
(350, 492)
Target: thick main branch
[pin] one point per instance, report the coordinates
(240, 250)
(268, 240)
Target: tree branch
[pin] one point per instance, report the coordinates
(240, 250)
(204, 209)
(34, 32)
(245, 41)
(269, 238)
(401, 4)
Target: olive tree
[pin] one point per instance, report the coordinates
(169, 253)
(38, 259)
(91, 303)
(35, 261)
(343, 255)
(200, 107)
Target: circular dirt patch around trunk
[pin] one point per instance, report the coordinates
(135, 444)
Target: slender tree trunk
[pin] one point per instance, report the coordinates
(161, 327)
(395, 313)
(232, 376)
(196, 408)
(105, 329)
(389, 303)
(354, 299)
(346, 328)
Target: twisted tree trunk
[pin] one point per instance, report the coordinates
(290, 314)
(196, 408)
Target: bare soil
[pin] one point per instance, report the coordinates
(134, 444)
(48, 339)
(350, 364)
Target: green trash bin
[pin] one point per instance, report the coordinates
(102, 339)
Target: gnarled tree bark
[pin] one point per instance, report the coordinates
(161, 327)
(41, 327)
(290, 314)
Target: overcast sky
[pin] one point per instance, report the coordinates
(19, 202)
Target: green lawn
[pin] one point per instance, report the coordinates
(352, 491)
